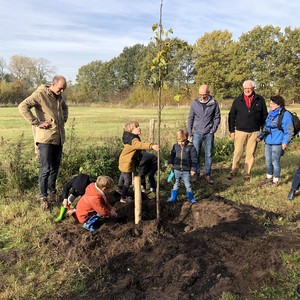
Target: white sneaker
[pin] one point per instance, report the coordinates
(126, 200)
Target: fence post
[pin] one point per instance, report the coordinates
(223, 127)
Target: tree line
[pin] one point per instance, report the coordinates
(268, 55)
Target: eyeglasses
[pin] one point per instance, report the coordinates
(248, 89)
(202, 95)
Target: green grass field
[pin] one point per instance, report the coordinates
(93, 125)
(95, 122)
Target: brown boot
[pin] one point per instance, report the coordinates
(209, 179)
(44, 204)
(231, 176)
(53, 197)
(265, 181)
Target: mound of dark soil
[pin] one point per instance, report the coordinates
(196, 251)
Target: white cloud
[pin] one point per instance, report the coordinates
(73, 33)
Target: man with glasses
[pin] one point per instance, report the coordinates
(203, 121)
(51, 113)
(246, 117)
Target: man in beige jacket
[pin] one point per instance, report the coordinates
(51, 113)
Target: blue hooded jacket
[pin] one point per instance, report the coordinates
(277, 136)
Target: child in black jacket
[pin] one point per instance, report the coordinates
(71, 190)
(148, 166)
(183, 159)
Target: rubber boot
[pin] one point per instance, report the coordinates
(173, 197)
(191, 197)
(91, 223)
(291, 194)
(61, 215)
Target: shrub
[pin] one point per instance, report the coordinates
(92, 160)
(17, 171)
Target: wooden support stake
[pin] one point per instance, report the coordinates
(137, 200)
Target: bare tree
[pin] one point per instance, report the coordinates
(21, 67)
(43, 71)
(2, 68)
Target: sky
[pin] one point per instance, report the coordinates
(73, 33)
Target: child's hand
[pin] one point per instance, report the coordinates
(65, 202)
(193, 173)
(113, 213)
(155, 147)
(71, 212)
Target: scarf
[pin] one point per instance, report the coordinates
(248, 100)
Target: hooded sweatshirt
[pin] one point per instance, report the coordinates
(132, 143)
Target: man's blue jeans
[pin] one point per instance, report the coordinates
(273, 154)
(208, 140)
(185, 176)
(50, 159)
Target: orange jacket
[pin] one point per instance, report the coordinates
(94, 200)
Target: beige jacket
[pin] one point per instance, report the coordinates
(126, 164)
(47, 108)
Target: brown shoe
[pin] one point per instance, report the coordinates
(231, 176)
(265, 181)
(247, 177)
(44, 204)
(53, 197)
(209, 180)
(195, 178)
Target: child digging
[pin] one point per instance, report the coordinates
(130, 153)
(183, 159)
(93, 208)
(71, 190)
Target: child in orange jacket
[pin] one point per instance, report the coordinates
(94, 207)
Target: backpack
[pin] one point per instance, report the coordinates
(296, 121)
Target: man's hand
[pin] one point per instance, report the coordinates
(232, 135)
(44, 125)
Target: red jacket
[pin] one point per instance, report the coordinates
(94, 200)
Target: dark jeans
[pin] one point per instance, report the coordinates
(151, 175)
(208, 140)
(50, 158)
(296, 180)
(125, 181)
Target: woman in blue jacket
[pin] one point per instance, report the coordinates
(276, 139)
